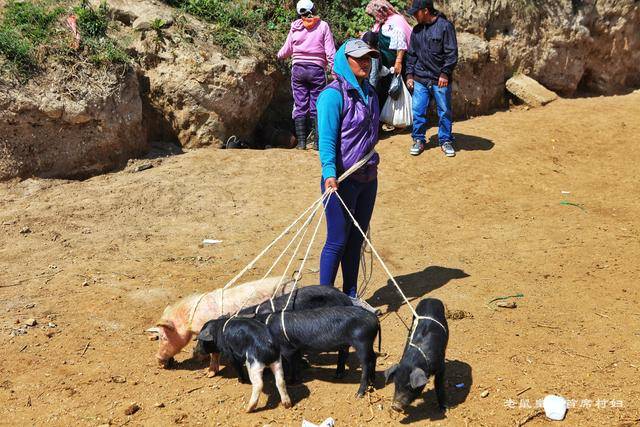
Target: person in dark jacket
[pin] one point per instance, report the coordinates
(431, 59)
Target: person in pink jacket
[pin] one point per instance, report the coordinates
(394, 35)
(311, 45)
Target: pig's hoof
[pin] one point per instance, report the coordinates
(359, 395)
(287, 404)
(166, 363)
(251, 408)
(211, 374)
(397, 408)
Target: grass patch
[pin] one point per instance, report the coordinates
(239, 21)
(33, 32)
(32, 20)
(92, 23)
(17, 50)
(25, 27)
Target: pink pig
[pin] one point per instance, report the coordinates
(181, 321)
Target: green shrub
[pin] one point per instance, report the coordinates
(31, 31)
(93, 25)
(16, 49)
(270, 20)
(92, 22)
(24, 27)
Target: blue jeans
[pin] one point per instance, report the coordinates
(344, 240)
(421, 97)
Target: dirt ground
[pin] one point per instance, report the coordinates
(95, 263)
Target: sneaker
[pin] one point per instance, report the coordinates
(417, 148)
(447, 149)
(358, 302)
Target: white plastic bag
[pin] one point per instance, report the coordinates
(397, 112)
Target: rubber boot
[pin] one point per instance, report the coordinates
(313, 136)
(301, 132)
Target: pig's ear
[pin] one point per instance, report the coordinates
(388, 374)
(418, 378)
(205, 335)
(166, 324)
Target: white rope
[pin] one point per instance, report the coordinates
(367, 272)
(413, 330)
(193, 310)
(357, 165)
(375, 252)
(265, 250)
(295, 252)
(315, 205)
(303, 227)
(224, 327)
(393, 280)
(304, 260)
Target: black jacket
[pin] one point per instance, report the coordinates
(433, 50)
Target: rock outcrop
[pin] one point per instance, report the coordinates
(52, 127)
(193, 92)
(566, 46)
(185, 89)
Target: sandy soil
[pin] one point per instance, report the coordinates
(100, 259)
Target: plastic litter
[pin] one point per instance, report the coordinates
(555, 407)
(504, 298)
(566, 203)
(211, 241)
(461, 385)
(329, 422)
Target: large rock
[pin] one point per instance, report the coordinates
(54, 130)
(193, 92)
(478, 83)
(530, 91)
(566, 46)
(144, 12)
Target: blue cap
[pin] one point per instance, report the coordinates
(419, 5)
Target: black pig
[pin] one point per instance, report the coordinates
(303, 298)
(417, 364)
(327, 329)
(244, 341)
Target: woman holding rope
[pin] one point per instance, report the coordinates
(348, 121)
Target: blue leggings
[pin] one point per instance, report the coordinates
(344, 240)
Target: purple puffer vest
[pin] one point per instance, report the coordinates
(359, 130)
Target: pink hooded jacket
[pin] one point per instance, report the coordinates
(314, 46)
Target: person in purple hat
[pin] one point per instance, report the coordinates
(348, 122)
(311, 45)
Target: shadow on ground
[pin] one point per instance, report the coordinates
(458, 385)
(464, 142)
(414, 286)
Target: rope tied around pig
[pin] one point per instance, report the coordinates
(310, 212)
